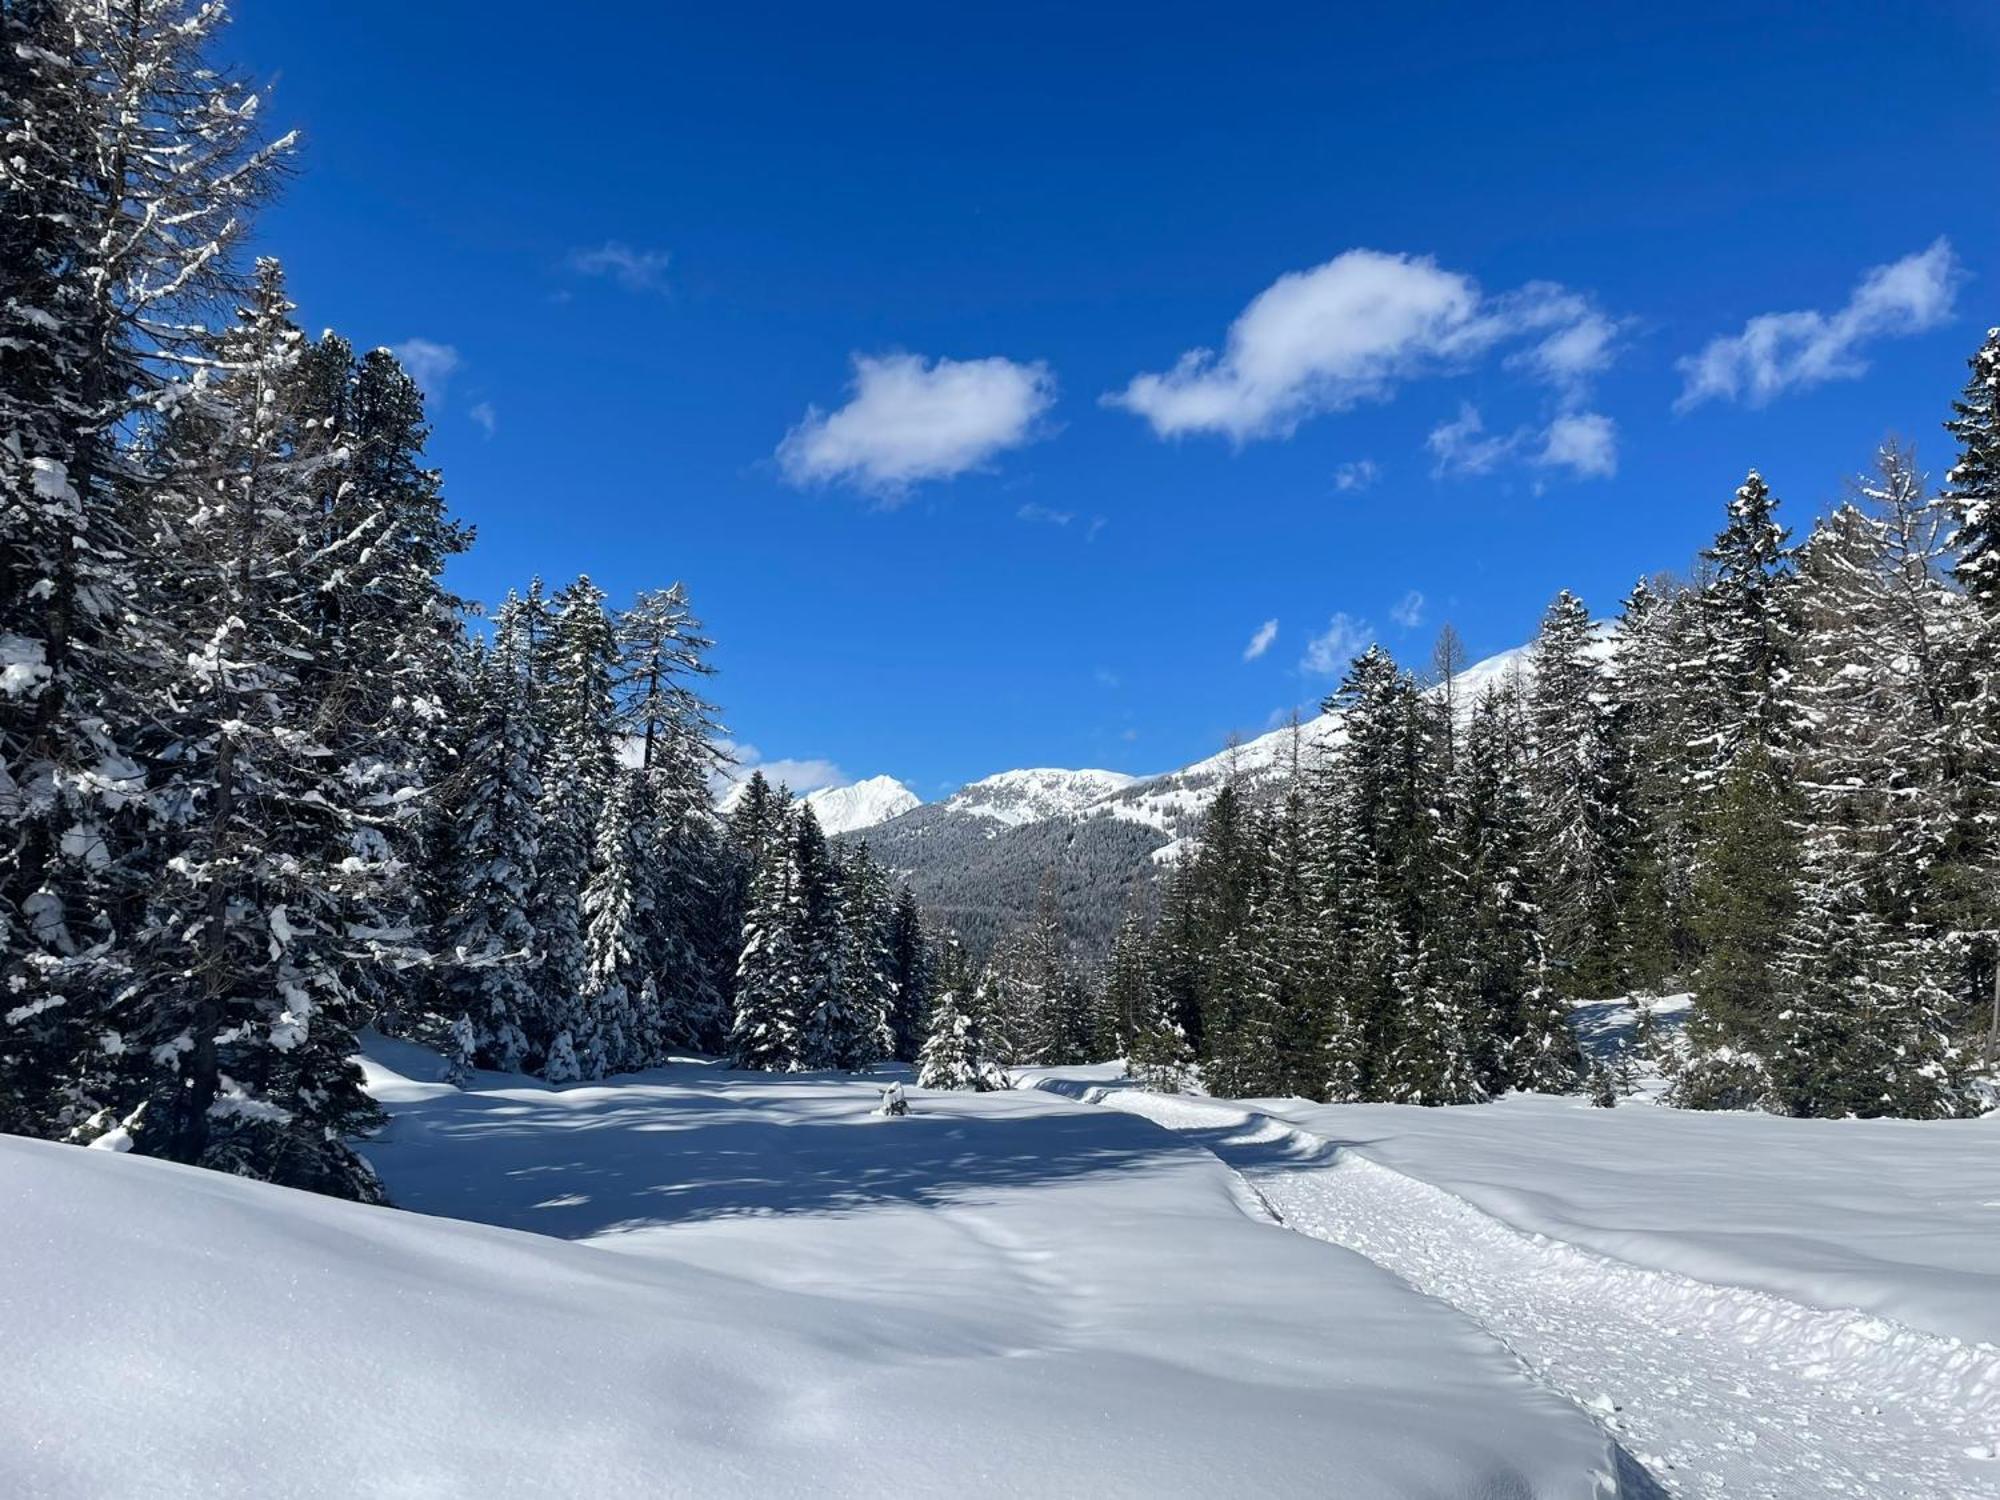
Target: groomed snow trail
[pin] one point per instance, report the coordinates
(1718, 1391)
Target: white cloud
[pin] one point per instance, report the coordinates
(1584, 442)
(911, 419)
(1359, 475)
(1777, 352)
(634, 270)
(487, 419)
(1261, 641)
(1575, 353)
(802, 775)
(431, 364)
(1329, 654)
(1034, 512)
(1409, 610)
(1351, 330)
(1463, 447)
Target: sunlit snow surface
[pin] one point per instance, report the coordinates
(733, 1285)
(1758, 1307)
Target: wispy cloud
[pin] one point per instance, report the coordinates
(1356, 476)
(485, 417)
(1778, 352)
(911, 419)
(801, 775)
(1352, 330)
(1463, 446)
(633, 269)
(431, 364)
(1409, 610)
(1261, 641)
(1583, 442)
(1329, 653)
(1042, 513)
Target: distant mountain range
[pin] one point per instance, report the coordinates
(977, 858)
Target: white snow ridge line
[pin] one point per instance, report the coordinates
(1718, 1391)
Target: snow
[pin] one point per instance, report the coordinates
(737, 1284)
(1036, 796)
(863, 804)
(1757, 1306)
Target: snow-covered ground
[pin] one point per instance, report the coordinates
(1757, 1306)
(737, 1284)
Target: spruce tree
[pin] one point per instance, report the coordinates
(1746, 841)
(1578, 816)
(490, 934)
(910, 977)
(764, 1033)
(250, 943)
(130, 177)
(1968, 908)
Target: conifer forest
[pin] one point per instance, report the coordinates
(1625, 1003)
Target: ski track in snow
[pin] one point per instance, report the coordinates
(1719, 1391)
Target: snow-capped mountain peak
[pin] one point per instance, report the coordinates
(1034, 796)
(863, 804)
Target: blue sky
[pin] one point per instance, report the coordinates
(882, 325)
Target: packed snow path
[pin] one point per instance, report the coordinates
(1719, 1391)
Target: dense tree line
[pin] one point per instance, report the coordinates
(1776, 784)
(835, 966)
(260, 785)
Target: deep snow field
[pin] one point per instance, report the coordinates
(698, 1282)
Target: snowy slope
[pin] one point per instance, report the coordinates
(1757, 1306)
(1035, 796)
(736, 1284)
(843, 809)
(849, 809)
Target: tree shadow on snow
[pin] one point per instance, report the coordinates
(573, 1165)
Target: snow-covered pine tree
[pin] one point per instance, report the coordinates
(1057, 1027)
(1131, 991)
(575, 664)
(1968, 883)
(949, 1057)
(858, 1031)
(130, 174)
(1863, 1030)
(1520, 1034)
(686, 888)
(1287, 971)
(1367, 837)
(1650, 703)
(832, 1027)
(764, 1033)
(490, 937)
(396, 647)
(1578, 813)
(1746, 844)
(274, 849)
(614, 962)
(1222, 874)
(910, 977)
(1432, 1058)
